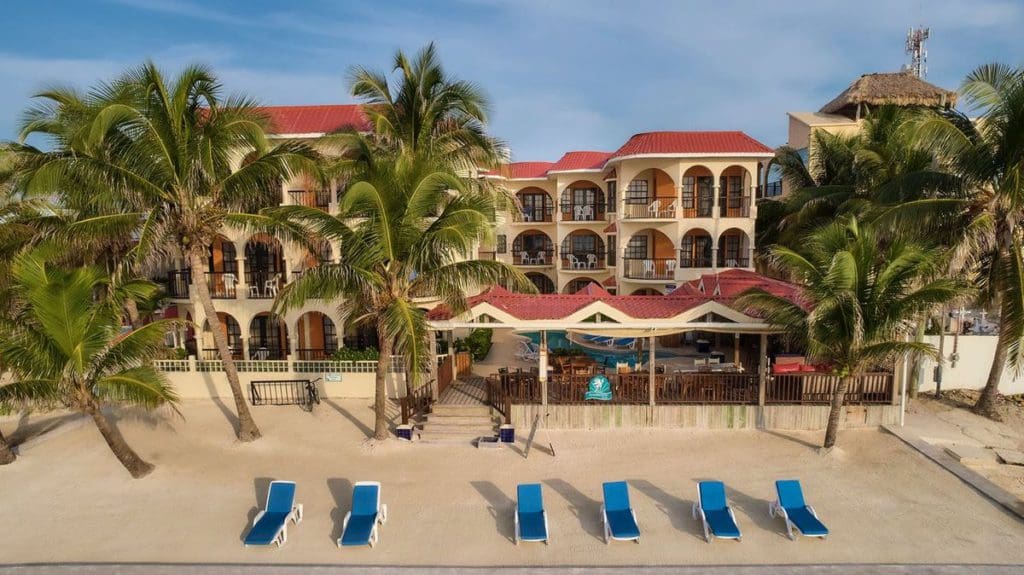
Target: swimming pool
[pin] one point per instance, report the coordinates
(607, 358)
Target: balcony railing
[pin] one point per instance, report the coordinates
(664, 208)
(263, 352)
(727, 262)
(538, 214)
(314, 353)
(178, 282)
(734, 207)
(534, 258)
(687, 261)
(702, 207)
(583, 260)
(312, 198)
(649, 268)
(211, 354)
(583, 212)
(773, 189)
(222, 284)
(263, 284)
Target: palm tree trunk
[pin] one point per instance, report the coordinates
(132, 308)
(6, 453)
(135, 465)
(986, 404)
(835, 413)
(247, 430)
(915, 371)
(380, 396)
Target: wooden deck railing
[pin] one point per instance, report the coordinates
(418, 403)
(817, 388)
(707, 388)
(445, 373)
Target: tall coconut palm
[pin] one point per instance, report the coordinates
(986, 217)
(858, 302)
(65, 347)
(407, 228)
(168, 156)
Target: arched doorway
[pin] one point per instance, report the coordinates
(536, 205)
(698, 192)
(222, 268)
(577, 284)
(582, 201)
(533, 248)
(650, 195)
(650, 255)
(230, 328)
(733, 249)
(268, 337)
(542, 282)
(264, 266)
(582, 250)
(734, 185)
(695, 249)
(318, 337)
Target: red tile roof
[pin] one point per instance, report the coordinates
(691, 143)
(558, 306)
(580, 161)
(315, 119)
(522, 170)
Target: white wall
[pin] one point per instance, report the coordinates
(971, 371)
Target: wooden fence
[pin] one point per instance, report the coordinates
(417, 404)
(691, 389)
(445, 373)
(463, 363)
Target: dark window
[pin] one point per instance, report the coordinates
(584, 243)
(688, 199)
(611, 196)
(330, 336)
(705, 195)
(636, 248)
(637, 192)
(611, 250)
(502, 244)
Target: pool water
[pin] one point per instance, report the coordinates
(607, 358)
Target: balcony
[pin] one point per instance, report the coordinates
(534, 258)
(582, 261)
(535, 214)
(663, 208)
(583, 212)
(320, 199)
(733, 262)
(649, 268)
(734, 207)
(263, 284)
(222, 284)
(178, 283)
(688, 261)
(703, 207)
(314, 354)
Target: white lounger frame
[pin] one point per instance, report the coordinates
(382, 515)
(776, 509)
(608, 528)
(698, 511)
(281, 537)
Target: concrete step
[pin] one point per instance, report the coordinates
(468, 430)
(461, 410)
(439, 419)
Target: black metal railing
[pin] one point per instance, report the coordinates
(583, 260)
(534, 257)
(211, 354)
(652, 208)
(267, 353)
(733, 262)
(263, 284)
(773, 189)
(178, 282)
(734, 206)
(301, 392)
(538, 213)
(688, 261)
(314, 353)
(701, 207)
(312, 198)
(222, 284)
(649, 268)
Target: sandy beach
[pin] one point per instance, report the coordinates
(69, 499)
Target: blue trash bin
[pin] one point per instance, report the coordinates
(507, 434)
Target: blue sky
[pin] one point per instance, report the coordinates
(561, 74)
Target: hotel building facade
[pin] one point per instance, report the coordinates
(664, 208)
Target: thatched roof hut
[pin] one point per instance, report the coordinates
(900, 88)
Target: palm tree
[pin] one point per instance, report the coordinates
(172, 160)
(858, 301)
(407, 228)
(65, 346)
(986, 217)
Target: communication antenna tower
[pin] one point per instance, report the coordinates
(918, 54)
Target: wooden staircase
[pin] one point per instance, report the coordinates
(460, 415)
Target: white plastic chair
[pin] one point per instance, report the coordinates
(652, 209)
(577, 213)
(270, 286)
(591, 261)
(731, 263)
(229, 284)
(540, 259)
(574, 264)
(649, 268)
(525, 259)
(670, 267)
(527, 217)
(254, 291)
(586, 213)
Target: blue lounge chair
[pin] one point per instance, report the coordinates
(619, 518)
(531, 519)
(791, 506)
(271, 524)
(715, 513)
(360, 525)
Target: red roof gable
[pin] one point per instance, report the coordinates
(691, 143)
(315, 119)
(610, 282)
(558, 306)
(522, 170)
(580, 161)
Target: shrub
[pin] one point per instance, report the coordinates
(350, 354)
(477, 343)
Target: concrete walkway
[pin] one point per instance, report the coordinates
(250, 569)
